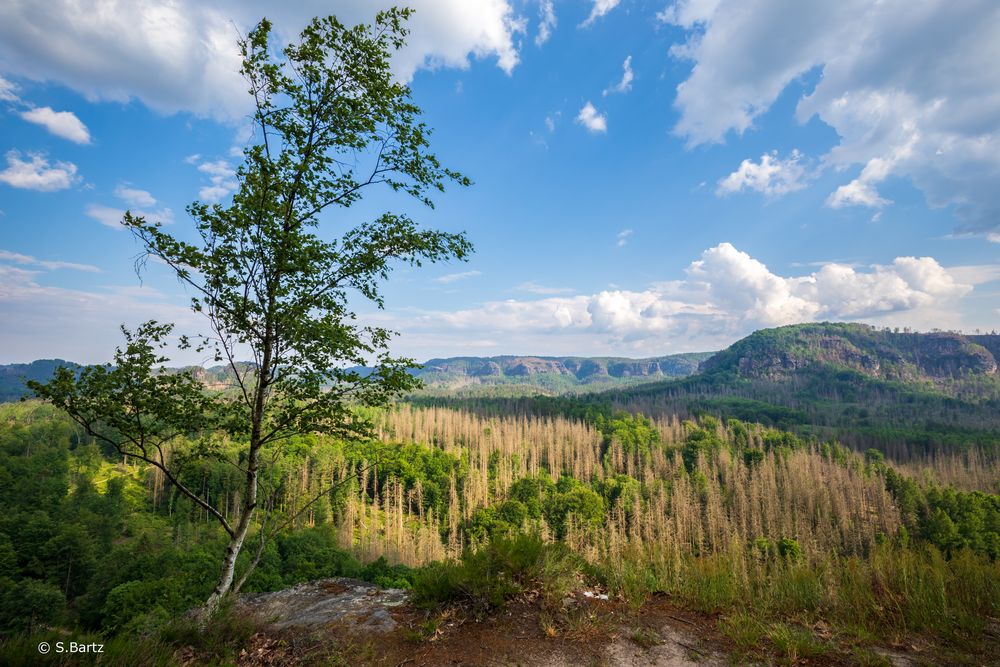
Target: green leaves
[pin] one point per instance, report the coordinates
(330, 122)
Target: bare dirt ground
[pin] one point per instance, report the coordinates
(346, 622)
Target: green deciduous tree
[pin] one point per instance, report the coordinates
(330, 122)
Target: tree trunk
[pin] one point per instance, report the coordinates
(250, 498)
(235, 546)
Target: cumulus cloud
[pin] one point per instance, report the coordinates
(453, 277)
(771, 176)
(222, 180)
(182, 56)
(589, 117)
(725, 294)
(18, 258)
(7, 89)
(134, 196)
(547, 21)
(600, 8)
(63, 124)
(140, 202)
(625, 84)
(861, 191)
(910, 90)
(623, 237)
(33, 172)
(111, 216)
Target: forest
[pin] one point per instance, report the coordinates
(768, 530)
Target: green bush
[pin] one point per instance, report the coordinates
(789, 549)
(380, 573)
(27, 604)
(313, 553)
(493, 574)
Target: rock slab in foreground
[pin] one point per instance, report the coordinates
(358, 605)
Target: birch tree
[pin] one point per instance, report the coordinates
(274, 271)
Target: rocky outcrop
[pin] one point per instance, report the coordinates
(356, 605)
(952, 355)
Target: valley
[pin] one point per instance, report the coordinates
(755, 513)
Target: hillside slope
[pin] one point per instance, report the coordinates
(556, 373)
(13, 376)
(876, 353)
(869, 387)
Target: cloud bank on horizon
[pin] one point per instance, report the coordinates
(725, 294)
(774, 115)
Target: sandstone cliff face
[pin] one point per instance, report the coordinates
(776, 354)
(951, 355)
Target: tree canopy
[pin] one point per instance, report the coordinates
(330, 122)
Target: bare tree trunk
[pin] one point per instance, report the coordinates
(233, 549)
(250, 499)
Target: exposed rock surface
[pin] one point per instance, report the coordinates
(673, 647)
(357, 605)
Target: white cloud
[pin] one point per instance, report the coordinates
(771, 176)
(63, 124)
(993, 237)
(112, 217)
(222, 179)
(725, 294)
(623, 237)
(134, 196)
(592, 120)
(536, 288)
(452, 277)
(909, 89)
(37, 318)
(7, 89)
(182, 55)
(547, 21)
(600, 8)
(688, 13)
(18, 258)
(858, 192)
(625, 84)
(861, 191)
(35, 173)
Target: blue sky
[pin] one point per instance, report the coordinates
(650, 176)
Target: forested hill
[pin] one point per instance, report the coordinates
(556, 372)
(518, 373)
(868, 387)
(13, 376)
(876, 353)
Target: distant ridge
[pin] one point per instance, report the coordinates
(556, 372)
(553, 374)
(13, 376)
